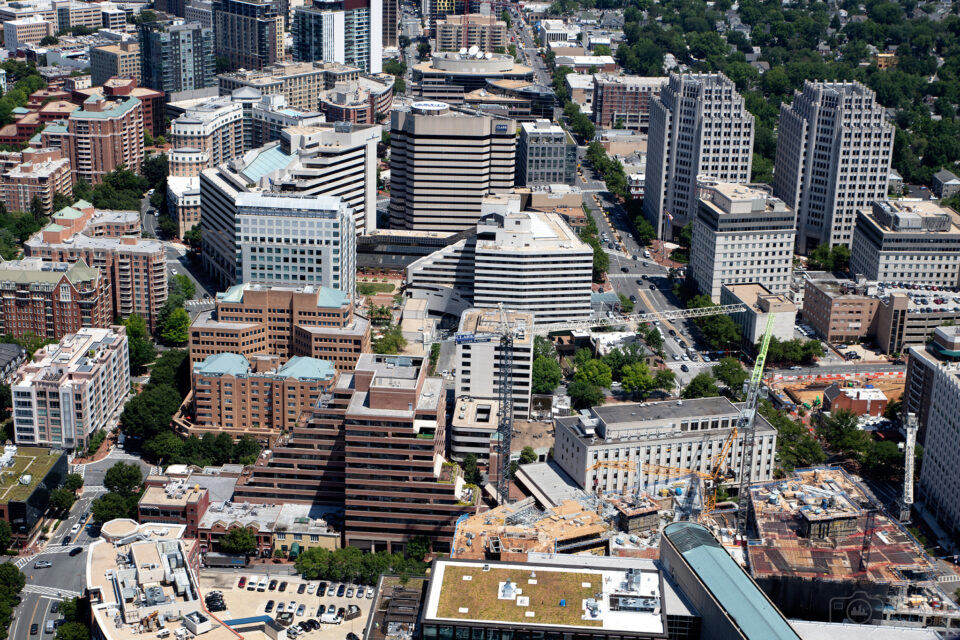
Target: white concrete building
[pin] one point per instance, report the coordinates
(557, 31)
(529, 261)
(281, 238)
(699, 126)
(605, 448)
(833, 158)
(939, 487)
(479, 359)
(912, 241)
(741, 235)
(296, 240)
(72, 389)
(760, 304)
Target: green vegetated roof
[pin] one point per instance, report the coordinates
(740, 597)
(33, 461)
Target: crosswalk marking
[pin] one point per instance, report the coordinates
(22, 562)
(52, 592)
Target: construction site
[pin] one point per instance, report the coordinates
(807, 391)
(821, 539)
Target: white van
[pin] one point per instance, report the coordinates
(646, 254)
(331, 618)
(252, 583)
(262, 585)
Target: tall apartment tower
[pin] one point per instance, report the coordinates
(104, 135)
(249, 33)
(349, 32)
(833, 158)
(442, 164)
(699, 127)
(391, 23)
(176, 57)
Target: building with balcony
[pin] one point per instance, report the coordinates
(40, 173)
(51, 299)
(72, 389)
(235, 395)
(300, 83)
(487, 33)
(103, 135)
(624, 100)
(249, 33)
(109, 241)
(176, 57)
(348, 453)
(359, 101)
(259, 320)
(345, 31)
(151, 102)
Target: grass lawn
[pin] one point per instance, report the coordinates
(370, 288)
(479, 596)
(29, 460)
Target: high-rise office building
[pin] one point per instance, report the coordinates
(741, 235)
(443, 163)
(546, 154)
(176, 57)
(249, 33)
(699, 127)
(349, 32)
(255, 236)
(833, 158)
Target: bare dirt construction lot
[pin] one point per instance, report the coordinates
(807, 391)
(242, 603)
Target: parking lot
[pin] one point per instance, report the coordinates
(243, 603)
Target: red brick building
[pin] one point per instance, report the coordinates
(52, 299)
(865, 401)
(624, 99)
(151, 101)
(34, 173)
(176, 502)
(375, 446)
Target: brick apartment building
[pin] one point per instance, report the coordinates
(255, 319)
(151, 101)
(103, 135)
(34, 173)
(374, 446)
(136, 268)
(624, 98)
(52, 299)
(258, 396)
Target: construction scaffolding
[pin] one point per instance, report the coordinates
(821, 537)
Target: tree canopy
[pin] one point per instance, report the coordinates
(239, 540)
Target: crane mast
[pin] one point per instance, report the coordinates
(746, 425)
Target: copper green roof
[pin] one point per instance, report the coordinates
(68, 213)
(82, 204)
(53, 226)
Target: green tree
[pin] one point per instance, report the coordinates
(584, 395)
(6, 535)
(391, 341)
(654, 339)
(73, 482)
(193, 237)
(637, 379)
(142, 351)
(581, 357)
(111, 506)
(664, 379)
(625, 304)
(149, 412)
(176, 330)
(893, 410)
(239, 540)
(72, 631)
(546, 375)
(36, 208)
(62, 500)
(594, 372)
(470, 472)
(246, 449)
(418, 548)
(730, 372)
(163, 447)
(528, 455)
(543, 348)
(842, 433)
(123, 478)
(702, 385)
